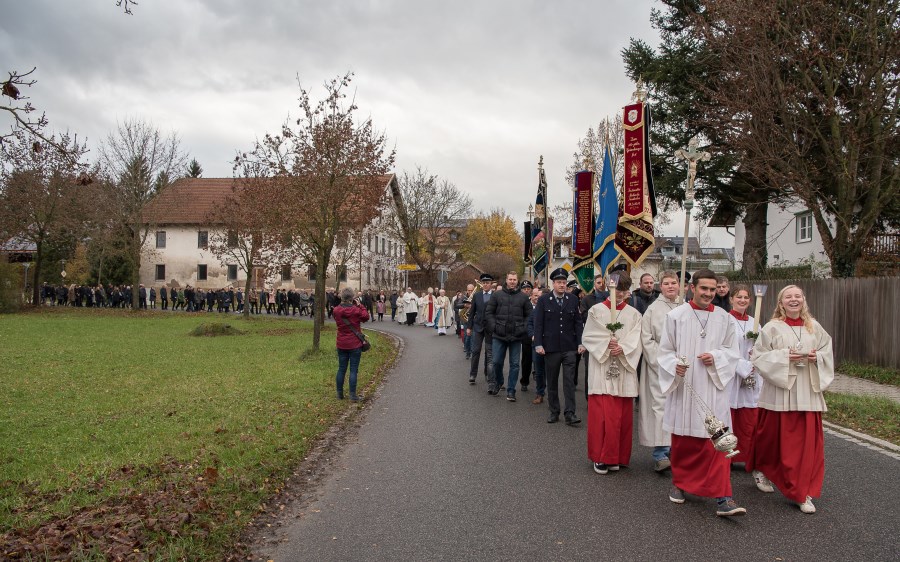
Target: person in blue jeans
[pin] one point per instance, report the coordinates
(506, 317)
(348, 316)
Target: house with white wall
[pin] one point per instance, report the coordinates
(791, 237)
(176, 251)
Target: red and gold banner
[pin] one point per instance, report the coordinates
(634, 234)
(583, 230)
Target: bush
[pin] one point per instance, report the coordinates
(10, 287)
(213, 329)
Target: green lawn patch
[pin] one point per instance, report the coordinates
(120, 433)
(883, 375)
(876, 416)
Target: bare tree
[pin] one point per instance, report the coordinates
(429, 209)
(330, 171)
(812, 104)
(138, 162)
(245, 235)
(44, 193)
(589, 155)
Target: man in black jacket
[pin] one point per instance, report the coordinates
(557, 336)
(476, 328)
(645, 295)
(507, 313)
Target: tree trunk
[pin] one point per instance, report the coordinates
(247, 285)
(755, 251)
(38, 265)
(320, 304)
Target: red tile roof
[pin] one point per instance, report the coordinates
(191, 200)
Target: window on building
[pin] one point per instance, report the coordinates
(160, 272)
(804, 227)
(160, 238)
(232, 272)
(342, 272)
(232, 239)
(369, 275)
(286, 272)
(454, 235)
(201, 272)
(311, 272)
(376, 243)
(383, 245)
(202, 239)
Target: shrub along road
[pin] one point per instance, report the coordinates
(441, 470)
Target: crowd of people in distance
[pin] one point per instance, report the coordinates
(676, 356)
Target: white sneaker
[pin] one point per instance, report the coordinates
(762, 482)
(807, 506)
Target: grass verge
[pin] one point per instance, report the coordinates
(876, 416)
(874, 373)
(122, 435)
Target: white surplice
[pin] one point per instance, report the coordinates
(595, 340)
(681, 338)
(790, 388)
(653, 401)
(410, 302)
(744, 396)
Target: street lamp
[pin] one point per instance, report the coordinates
(692, 156)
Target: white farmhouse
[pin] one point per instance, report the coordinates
(176, 252)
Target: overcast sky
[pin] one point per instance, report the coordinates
(475, 91)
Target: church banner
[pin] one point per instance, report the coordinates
(634, 234)
(540, 257)
(583, 230)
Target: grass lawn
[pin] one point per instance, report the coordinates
(879, 417)
(883, 375)
(121, 433)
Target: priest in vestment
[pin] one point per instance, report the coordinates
(410, 306)
(611, 395)
(793, 353)
(699, 346)
(428, 307)
(444, 314)
(653, 401)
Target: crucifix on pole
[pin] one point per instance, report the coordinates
(692, 156)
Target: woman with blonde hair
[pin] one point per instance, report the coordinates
(793, 353)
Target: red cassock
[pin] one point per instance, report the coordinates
(743, 424)
(697, 468)
(609, 430)
(790, 451)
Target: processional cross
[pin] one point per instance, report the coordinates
(692, 156)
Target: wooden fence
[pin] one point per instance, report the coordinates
(861, 314)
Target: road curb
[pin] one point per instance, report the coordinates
(881, 443)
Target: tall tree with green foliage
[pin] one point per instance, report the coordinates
(194, 170)
(681, 75)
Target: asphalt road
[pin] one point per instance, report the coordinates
(440, 470)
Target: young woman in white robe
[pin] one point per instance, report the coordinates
(746, 385)
(794, 355)
(653, 401)
(610, 397)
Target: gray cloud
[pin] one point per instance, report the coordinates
(474, 90)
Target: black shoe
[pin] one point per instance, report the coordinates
(553, 418)
(471, 380)
(572, 419)
(492, 390)
(524, 388)
(511, 397)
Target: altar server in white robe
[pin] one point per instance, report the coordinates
(444, 315)
(611, 395)
(746, 385)
(794, 355)
(699, 346)
(653, 401)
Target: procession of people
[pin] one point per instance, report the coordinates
(685, 362)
